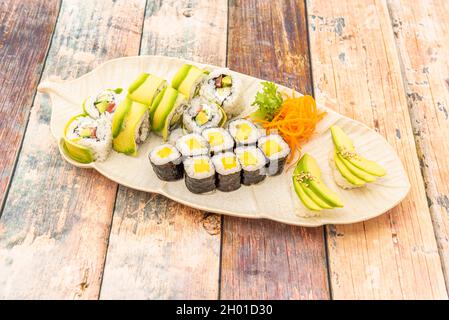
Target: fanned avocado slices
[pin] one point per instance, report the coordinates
(310, 188)
(145, 88)
(353, 167)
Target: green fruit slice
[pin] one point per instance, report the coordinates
(125, 142)
(359, 173)
(346, 173)
(119, 115)
(163, 109)
(180, 75)
(145, 88)
(305, 199)
(190, 80)
(156, 102)
(77, 152)
(224, 117)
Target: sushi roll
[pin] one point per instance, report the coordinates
(228, 171)
(166, 162)
(130, 126)
(202, 114)
(219, 140)
(192, 145)
(166, 111)
(104, 103)
(86, 139)
(188, 80)
(253, 163)
(224, 89)
(244, 132)
(146, 88)
(276, 150)
(199, 174)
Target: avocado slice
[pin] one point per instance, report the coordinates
(145, 87)
(77, 152)
(191, 78)
(125, 141)
(224, 117)
(359, 173)
(156, 102)
(346, 173)
(347, 152)
(226, 81)
(180, 75)
(174, 117)
(312, 180)
(163, 109)
(305, 199)
(119, 115)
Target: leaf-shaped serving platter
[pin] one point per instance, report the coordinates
(272, 199)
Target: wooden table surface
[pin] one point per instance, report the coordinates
(70, 233)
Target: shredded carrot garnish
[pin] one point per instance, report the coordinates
(295, 121)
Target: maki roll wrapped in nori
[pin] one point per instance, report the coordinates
(199, 174)
(146, 88)
(104, 103)
(192, 145)
(276, 150)
(244, 132)
(253, 163)
(188, 80)
(130, 126)
(202, 114)
(219, 140)
(224, 88)
(166, 162)
(228, 171)
(166, 111)
(87, 139)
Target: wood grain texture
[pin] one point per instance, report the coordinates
(26, 28)
(160, 249)
(355, 63)
(420, 30)
(263, 259)
(55, 226)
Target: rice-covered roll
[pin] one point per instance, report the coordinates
(87, 139)
(253, 163)
(219, 140)
(166, 162)
(276, 150)
(166, 111)
(199, 174)
(224, 88)
(244, 132)
(202, 114)
(188, 80)
(192, 145)
(103, 103)
(145, 88)
(130, 126)
(228, 171)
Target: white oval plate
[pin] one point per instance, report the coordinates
(272, 199)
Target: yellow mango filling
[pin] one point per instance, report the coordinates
(243, 131)
(164, 152)
(201, 165)
(247, 158)
(193, 144)
(271, 147)
(215, 139)
(229, 162)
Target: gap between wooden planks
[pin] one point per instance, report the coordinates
(355, 63)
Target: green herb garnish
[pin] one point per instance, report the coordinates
(268, 101)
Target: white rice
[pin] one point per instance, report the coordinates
(261, 160)
(197, 104)
(99, 146)
(218, 163)
(183, 147)
(228, 142)
(253, 136)
(189, 167)
(285, 149)
(174, 157)
(227, 97)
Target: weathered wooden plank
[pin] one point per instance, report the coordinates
(420, 29)
(55, 226)
(160, 249)
(25, 32)
(264, 259)
(355, 63)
